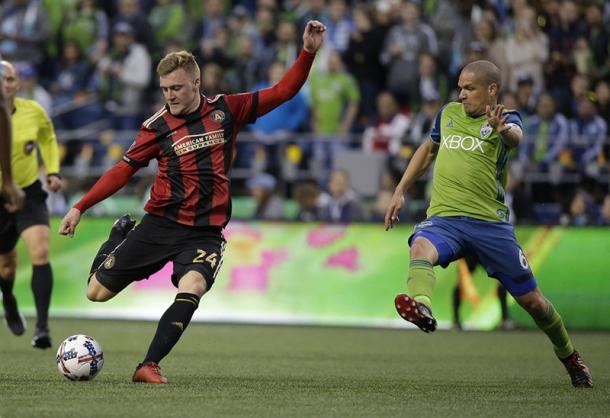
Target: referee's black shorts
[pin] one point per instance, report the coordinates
(34, 212)
(154, 242)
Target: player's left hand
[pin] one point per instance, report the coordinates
(69, 222)
(54, 182)
(391, 214)
(496, 120)
(313, 36)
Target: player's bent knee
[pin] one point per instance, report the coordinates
(534, 303)
(96, 292)
(193, 282)
(422, 248)
(40, 255)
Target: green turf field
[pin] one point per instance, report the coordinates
(277, 371)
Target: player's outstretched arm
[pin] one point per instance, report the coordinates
(423, 157)
(293, 80)
(111, 182)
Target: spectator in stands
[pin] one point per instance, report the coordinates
(72, 90)
(604, 213)
(285, 49)
(129, 12)
(579, 89)
(526, 95)
(527, 50)
(278, 125)
(387, 134)
(30, 89)
(247, 66)
(339, 26)
(588, 133)
(582, 57)
(341, 203)
(124, 75)
(445, 20)
(597, 36)
(212, 19)
(266, 22)
(307, 196)
(24, 29)
(362, 60)
(213, 80)
(562, 36)
(422, 122)
(546, 134)
(431, 82)
(384, 196)
(168, 21)
(583, 210)
(87, 27)
(335, 98)
(402, 47)
(269, 206)
(602, 93)
(509, 100)
(240, 24)
(486, 32)
(216, 49)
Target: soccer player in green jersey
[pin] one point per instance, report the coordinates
(470, 142)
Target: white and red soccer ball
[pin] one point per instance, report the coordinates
(80, 357)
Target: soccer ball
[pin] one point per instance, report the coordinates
(80, 357)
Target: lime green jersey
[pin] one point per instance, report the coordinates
(32, 128)
(470, 169)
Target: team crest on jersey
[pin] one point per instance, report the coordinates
(218, 116)
(109, 263)
(486, 131)
(449, 124)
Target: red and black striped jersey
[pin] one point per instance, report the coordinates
(195, 153)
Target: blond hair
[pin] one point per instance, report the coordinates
(181, 59)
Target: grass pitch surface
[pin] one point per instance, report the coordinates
(279, 371)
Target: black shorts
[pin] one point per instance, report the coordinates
(34, 212)
(154, 242)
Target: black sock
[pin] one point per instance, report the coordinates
(42, 283)
(171, 326)
(115, 238)
(457, 301)
(503, 305)
(6, 285)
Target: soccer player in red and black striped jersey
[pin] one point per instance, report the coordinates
(193, 139)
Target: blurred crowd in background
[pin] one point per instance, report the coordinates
(335, 151)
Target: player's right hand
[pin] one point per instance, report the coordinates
(14, 196)
(69, 222)
(391, 214)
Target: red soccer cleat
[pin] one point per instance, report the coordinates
(416, 313)
(148, 373)
(578, 371)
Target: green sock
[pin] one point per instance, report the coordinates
(421, 281)
(552, 325)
